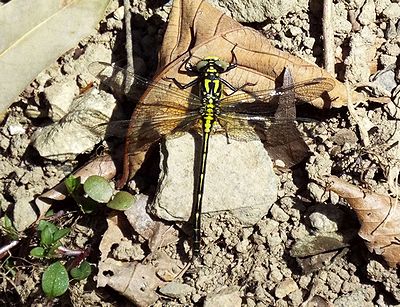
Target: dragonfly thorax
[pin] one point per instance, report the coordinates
(209, 70)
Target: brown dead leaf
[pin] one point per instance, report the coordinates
(197, 30)
(135, 281)
(156, 233)
(379, 216)
(200, 28)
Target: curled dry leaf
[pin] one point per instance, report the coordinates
(135, 281)
(379, 216)
(197, 30)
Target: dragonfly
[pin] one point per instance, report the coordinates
(166, 110)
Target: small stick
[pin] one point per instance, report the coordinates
(350, 105)
(69, 252)
(128, 46)
(7, 247)
(329, 43)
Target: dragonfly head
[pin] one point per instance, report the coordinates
(211, 63)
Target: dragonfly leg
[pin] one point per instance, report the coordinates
(183, 86)
(225, 129)
(234, 89)
(189, 68)
(233, 62)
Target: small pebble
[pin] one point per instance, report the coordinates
(285, 287)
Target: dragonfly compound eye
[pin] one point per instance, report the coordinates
(201, 65)
(221, 65)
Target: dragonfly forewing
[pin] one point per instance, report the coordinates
(116, 77)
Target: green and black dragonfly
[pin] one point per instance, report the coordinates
(167, 110)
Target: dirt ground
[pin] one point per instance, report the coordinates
(262, 264)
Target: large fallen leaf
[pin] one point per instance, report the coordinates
(35, 33)
(197, 26)
(197, 30)
(379, 216)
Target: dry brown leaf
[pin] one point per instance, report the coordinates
(379, 216)
(156, 233)
(200, 28)
(197, 30)
(135, 281)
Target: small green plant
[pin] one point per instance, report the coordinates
(7, 226)
(93, 192)
(55, 279)
(97, 190)
(50, 236)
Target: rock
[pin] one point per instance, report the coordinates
(225, 297)
(294, 31)
(176, 290)
(278, 214)
(259, 11)
(16, 129)
(343, 136)
(239, 178)
(275, 275)
(24, 213)
(392, 11)
(361, 54)
(119, 13)
(367, 15)
(363, 296)
(285, 287)
(326, 219)
(60, 97)
(79, 130)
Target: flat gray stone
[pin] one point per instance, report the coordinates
(82, 127)
(225, 297)
(239, 178)
(176, 290)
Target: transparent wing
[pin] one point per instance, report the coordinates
(163, 120)
(115, 76)
(163, 109)
(263, 103)
(244, 116)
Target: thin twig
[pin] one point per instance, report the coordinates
(69, 252)
(356, 118)
(329, 43)
(7, 247)
(128, 46)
